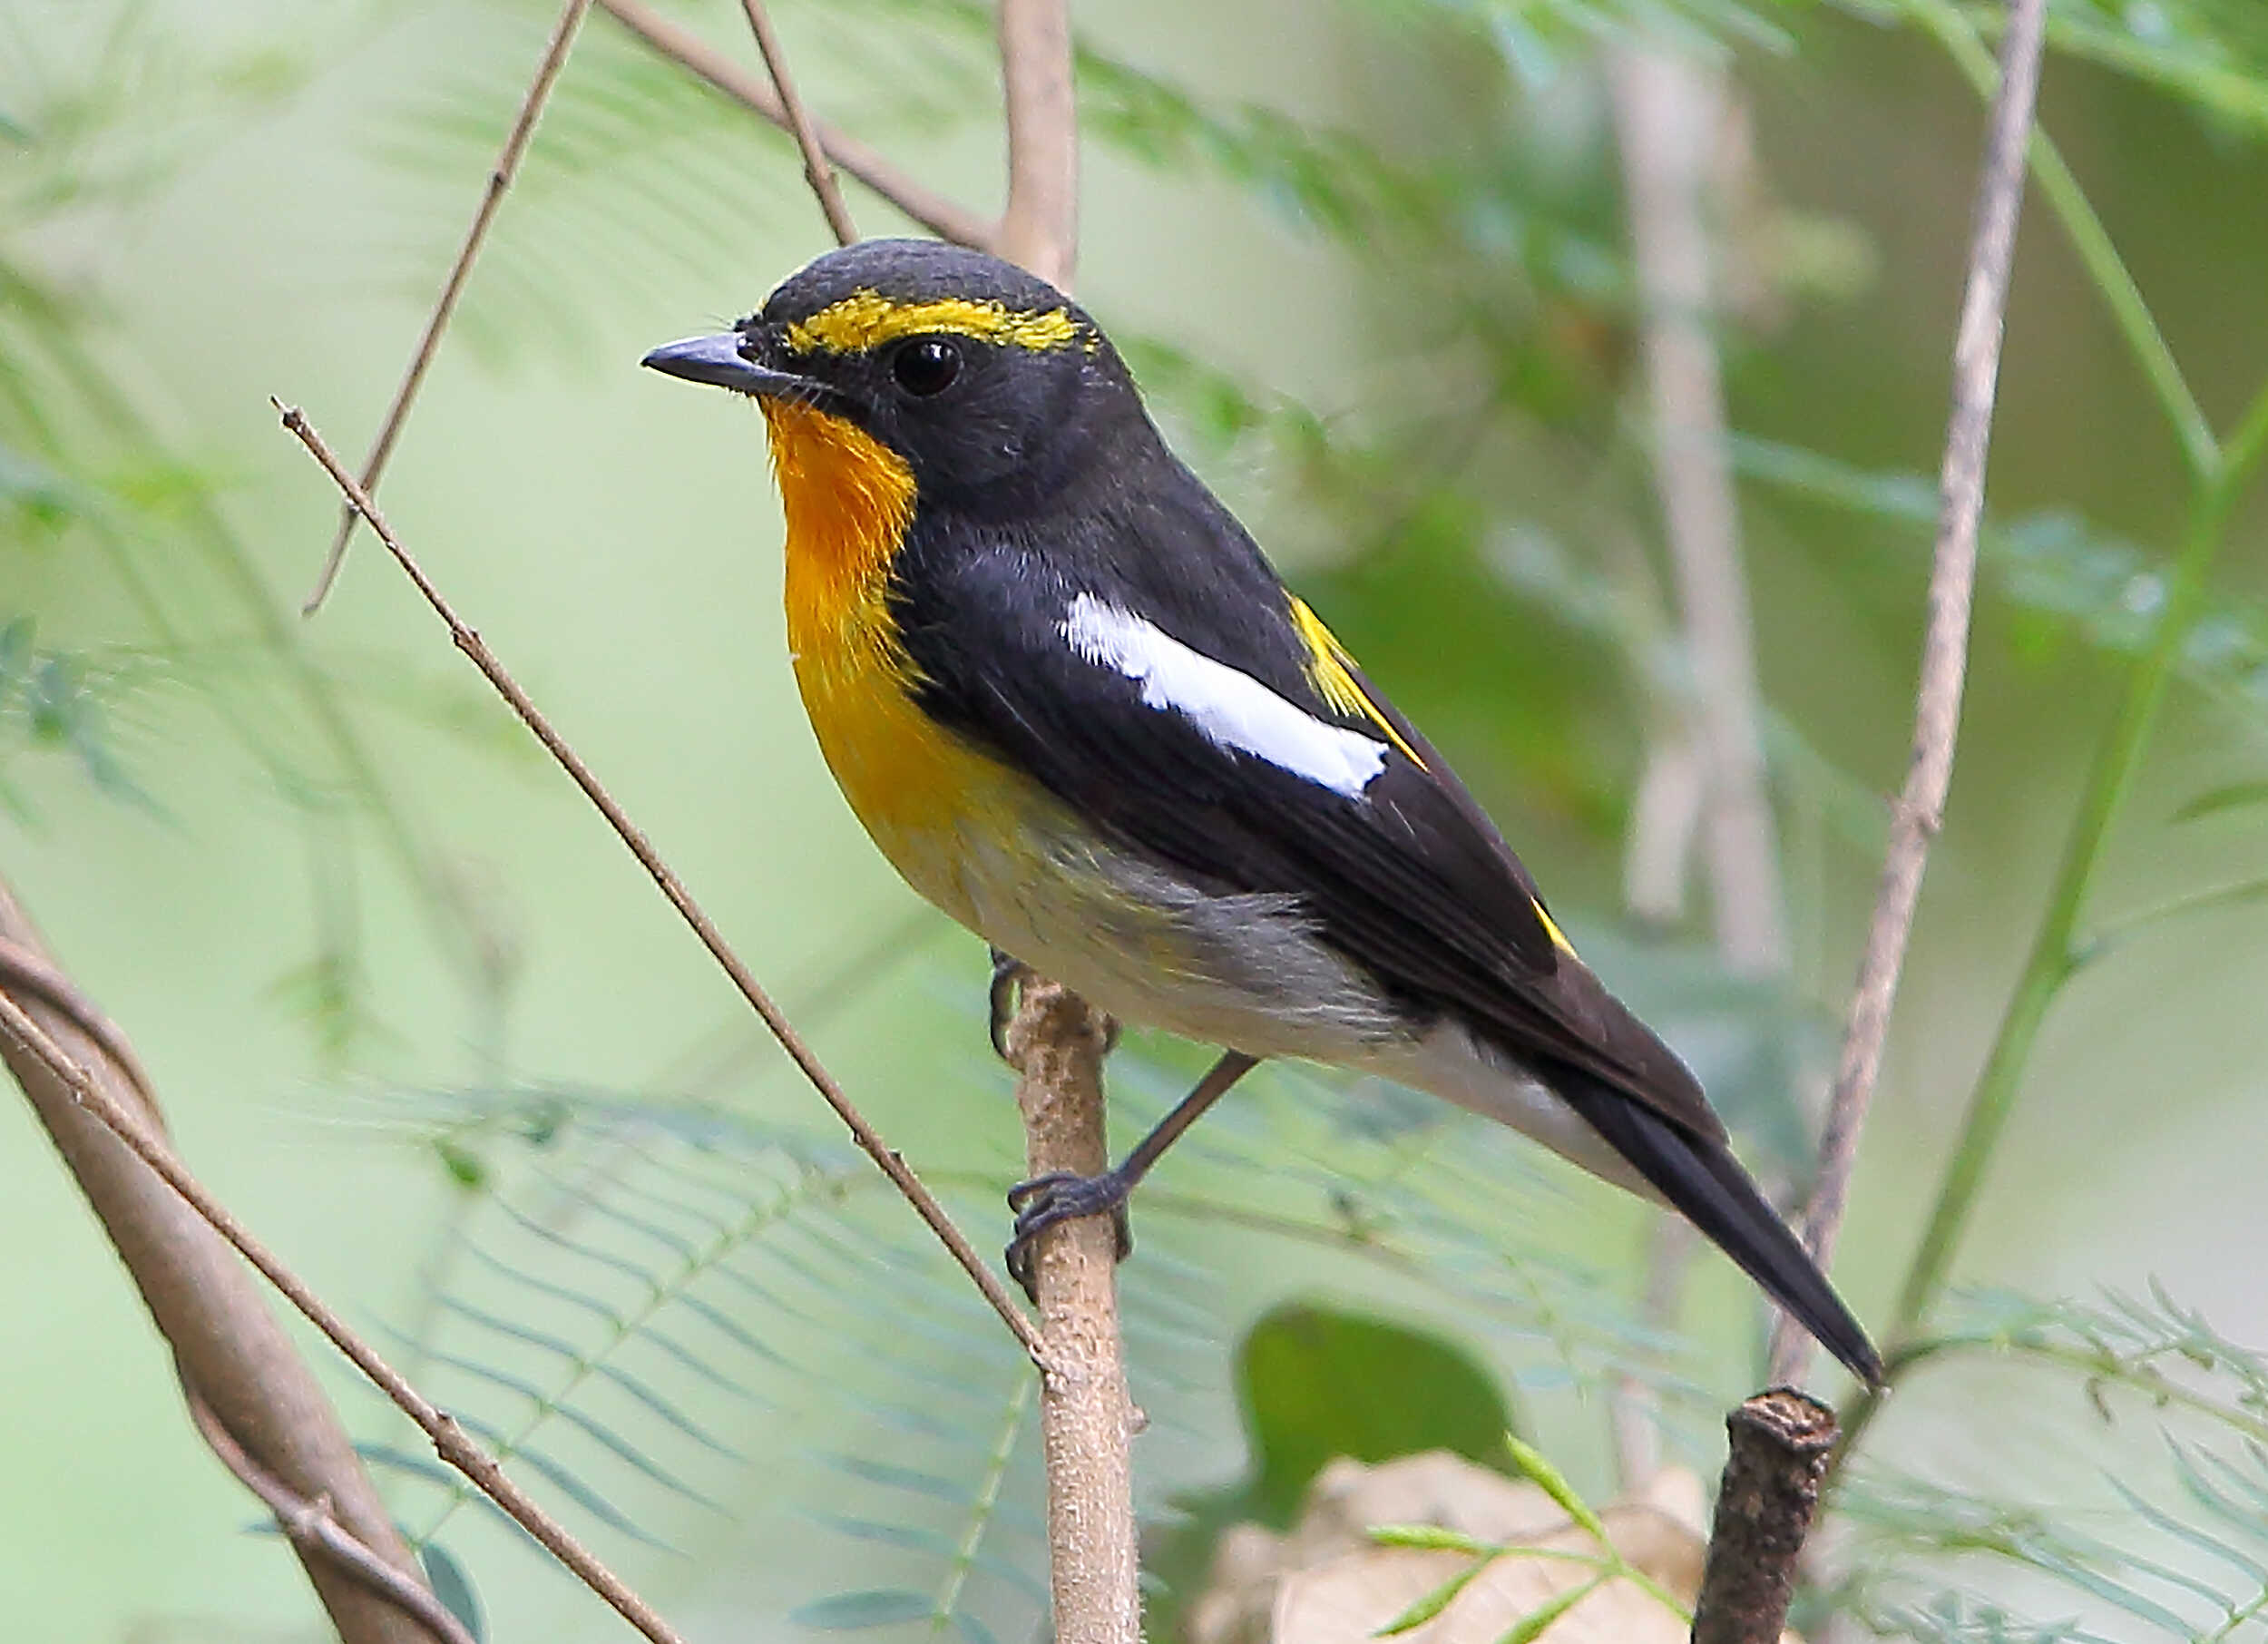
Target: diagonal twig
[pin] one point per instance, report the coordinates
(817, 171)
(944, 217)
(1945, 649)
(868, 1139)
(500, 178)
(450, 1441)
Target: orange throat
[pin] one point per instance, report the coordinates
(847, 499)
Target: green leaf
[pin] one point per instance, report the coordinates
(1553, 1484)
(454, 1587)
(1428, 1538)
(1432, 1604)
(1317, 1383)
(2212, 802)
(1532, 1625)
(858, 1611)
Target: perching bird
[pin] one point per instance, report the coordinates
(1075, 708)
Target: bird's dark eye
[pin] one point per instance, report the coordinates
(926, 366)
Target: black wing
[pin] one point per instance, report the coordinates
(1407, 879)
(1405, 875)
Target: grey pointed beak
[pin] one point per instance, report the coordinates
(718, 361)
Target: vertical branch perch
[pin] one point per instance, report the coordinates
(1945, 649)
(1056, 1043)
(1057, 1040)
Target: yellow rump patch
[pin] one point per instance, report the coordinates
(867, 319)
(1329, 672)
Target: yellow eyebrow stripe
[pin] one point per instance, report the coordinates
(1328, 672)
(866, 319)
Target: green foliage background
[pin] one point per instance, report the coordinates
(422, 1024)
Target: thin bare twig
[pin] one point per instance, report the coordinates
(1945, 649)
(449, 1440)
(944, 217)
(225, 1339)
(1780, 1443)
(310, 1526)
(817, 171)
(1039, 226)
(500, 178)
(868, 1139)
(1086, 1420)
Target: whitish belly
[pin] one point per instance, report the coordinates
(1002, 855)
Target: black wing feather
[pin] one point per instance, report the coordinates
(1408, 881)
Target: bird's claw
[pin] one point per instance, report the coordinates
(1008, 974)
(1058, 1197)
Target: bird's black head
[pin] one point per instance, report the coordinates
(995, 389)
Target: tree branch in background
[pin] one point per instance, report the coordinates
(1781, 1442)
(1039, 226)
(1086, 1421)
(310, 1528)
(235, 1361)
(1670, 111)
(81, 1091)
(1944, 649)
(1705, 768)
(499, 180)
(868, 1139)
(944, 217)
(817, 171)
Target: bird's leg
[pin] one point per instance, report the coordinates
(1059, 1196)
(1008, 974)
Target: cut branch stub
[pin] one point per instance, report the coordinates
(1780, 1441)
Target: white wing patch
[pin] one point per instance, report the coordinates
(1233, 709)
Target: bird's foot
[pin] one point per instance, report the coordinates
(1058, 1197)
(1007, 977)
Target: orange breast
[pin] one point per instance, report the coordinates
(848, 500)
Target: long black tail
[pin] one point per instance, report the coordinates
(1705, 1184)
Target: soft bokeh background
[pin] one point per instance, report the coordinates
(240, 199)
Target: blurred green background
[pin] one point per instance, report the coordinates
(1390, 321)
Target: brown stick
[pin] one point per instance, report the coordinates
(225, 1340)
(1056, 1043)
(449, 1440)
(1780, 1445)
(1944, 648)
(868, 1139)
(500, 178)
(1040, 227)
(817, 171)
(310, 1528)
(944, 217)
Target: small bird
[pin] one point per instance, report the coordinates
(1075, 708)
